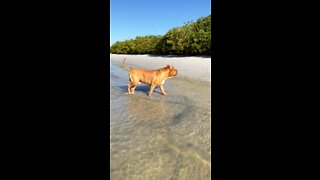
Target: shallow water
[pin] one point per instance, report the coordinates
(159, 137)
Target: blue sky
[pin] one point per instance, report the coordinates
(131, 18)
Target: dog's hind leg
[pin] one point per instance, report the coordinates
(129, 87)
(130, 84)
(133, 87)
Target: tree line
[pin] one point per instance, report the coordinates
(193, 38)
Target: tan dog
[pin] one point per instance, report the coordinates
(151, 77)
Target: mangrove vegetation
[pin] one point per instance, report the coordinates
(193, 38)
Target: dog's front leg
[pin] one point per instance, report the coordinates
(162, 90)
(151, 89)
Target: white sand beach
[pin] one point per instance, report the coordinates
(195, 68)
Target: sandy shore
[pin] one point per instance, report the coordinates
(196, 68)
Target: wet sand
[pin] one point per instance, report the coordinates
(159, 137)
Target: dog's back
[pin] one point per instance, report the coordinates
(142, 75)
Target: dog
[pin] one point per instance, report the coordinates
(151, 77)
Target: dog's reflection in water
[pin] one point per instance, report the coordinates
(149, 110)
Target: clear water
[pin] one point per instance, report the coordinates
(159, 137)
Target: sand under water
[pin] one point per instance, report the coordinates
(160, 137)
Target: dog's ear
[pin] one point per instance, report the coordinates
(168, 66)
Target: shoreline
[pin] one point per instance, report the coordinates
(190, 67)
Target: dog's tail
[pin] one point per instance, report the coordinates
(125, 66)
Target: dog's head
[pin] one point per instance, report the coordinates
(172, 71)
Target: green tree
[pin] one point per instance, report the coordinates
(193, 38)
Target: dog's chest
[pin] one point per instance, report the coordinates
(163, 81)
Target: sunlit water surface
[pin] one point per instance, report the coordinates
(160, 137)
